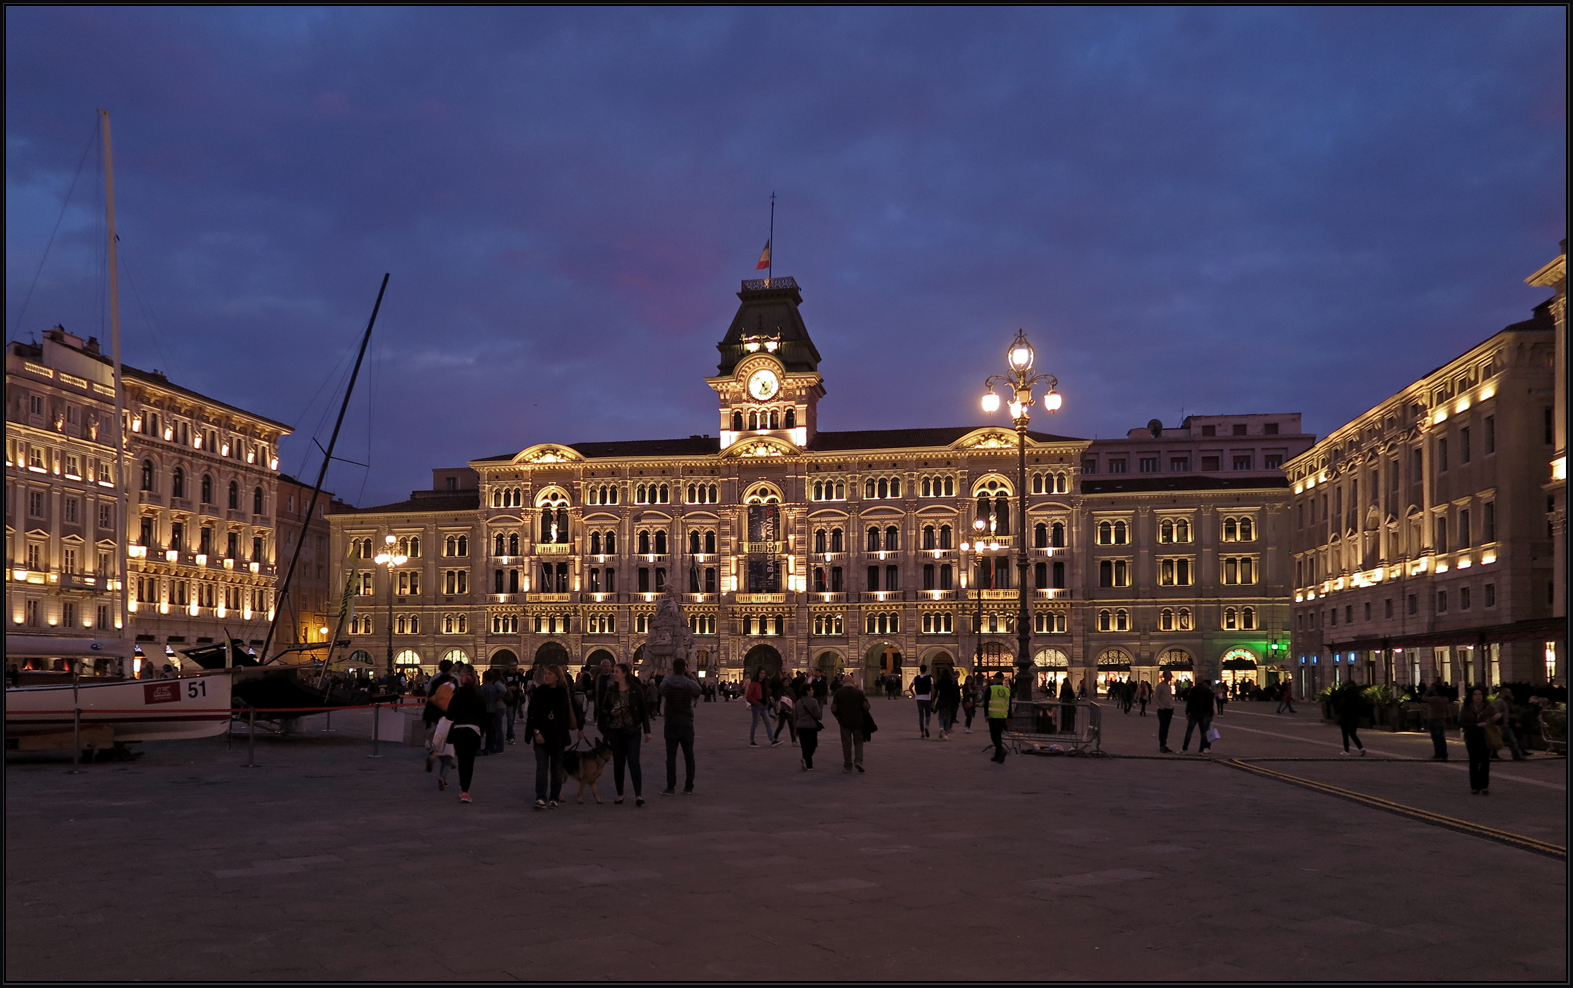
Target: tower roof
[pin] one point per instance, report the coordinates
(768, 313)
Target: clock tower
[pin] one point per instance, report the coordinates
(768, 380)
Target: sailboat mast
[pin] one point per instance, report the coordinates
(322, 474)
(118, 430)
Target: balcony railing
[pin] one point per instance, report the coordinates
(553, 548)
(760, 598)
(761, 548)
(551, 598)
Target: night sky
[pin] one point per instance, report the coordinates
(1207, 211)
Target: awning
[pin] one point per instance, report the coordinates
(1545, 629)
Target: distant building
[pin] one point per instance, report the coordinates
(798, 547)
(201, 514)
(1420, 540)
(1554, 275)
(313, 603)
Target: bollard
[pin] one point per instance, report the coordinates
(329, 728)
(251, 737)
(376, 731)
(76, 743)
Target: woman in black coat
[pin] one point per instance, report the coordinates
(548, 724)
(623, 717)
(467, 711)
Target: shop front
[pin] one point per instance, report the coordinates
(1114, 666)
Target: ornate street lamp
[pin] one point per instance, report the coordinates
(978, 527)
(390, 558)
(1018, 384)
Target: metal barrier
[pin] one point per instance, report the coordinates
(1048, 726)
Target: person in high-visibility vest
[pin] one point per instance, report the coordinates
(996, 709)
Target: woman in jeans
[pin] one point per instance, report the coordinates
(1474, 717)
(467, 711)
(623, 717)
(548, 722)
(808, 719)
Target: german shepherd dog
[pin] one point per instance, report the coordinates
(586, 767)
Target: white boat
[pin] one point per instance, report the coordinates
(118, 710)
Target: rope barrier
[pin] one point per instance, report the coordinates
(215, 710)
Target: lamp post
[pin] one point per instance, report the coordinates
(390, 558)
(1019, 383)
(978, 525)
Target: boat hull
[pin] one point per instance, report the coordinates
(132, 710)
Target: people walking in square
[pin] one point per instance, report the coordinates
(1067, 706)
(923, 690)
(784, 720)
(757, 696)
(438, 690)
(1144, 697)
(850, 707)
(513, 704)
(549, 722)
(1198, 715)
(1503, 705)
(1438, 706)
(947, 698)
(1351, 706)
(1474, 717)
(969, 702)
(1286, 698)
(679, 691)
(809, 718)
(467, 711)
(494, 694)
(996, 710)
(624, 718)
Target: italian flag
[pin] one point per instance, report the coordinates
(764, 258)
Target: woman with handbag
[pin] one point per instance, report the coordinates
(808, 718)
(467, 712)
(623, 717)
(548, 722)
(1476, 717)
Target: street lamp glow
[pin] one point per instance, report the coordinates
(991, 402)
(1052, 401)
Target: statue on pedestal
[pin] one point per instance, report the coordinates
(669, 638)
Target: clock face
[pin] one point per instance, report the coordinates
(763, 385)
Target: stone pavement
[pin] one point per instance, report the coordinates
(325, 864)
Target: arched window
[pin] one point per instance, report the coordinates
(928, 536)
(1230, 532)
(1166, 620)
(1040, 536)
(1037, 483)
(1119, 533)
(709, 541)
(1105, 533)
(944, 536)
(1122, 620)
(927, 487)
(1059, 576)
(1105, 621)
(177, 483)
(499, 545)
(1229, 618)
(884, 487)
(873, 539)
(1248, 618)
(895, 487)
(693, 493)
(147, 475)
(1002, 515)
(595, 543)
(820, 541)
(836, 540)
(611, 544)
(892, 538)
(869, 489)
(207, 489)
(693, 542)
(1166, 531)
(644, 543)
(513, 544)
(737, 421)
(1057, 535)
(791, 418)
(1247, 534)
(256, 500)
(666, 494)
(464, 545)
(660, 543)
(1061, 484)
(1185, 619)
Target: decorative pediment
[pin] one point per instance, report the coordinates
(547, 453)
(761, 446)
(988, 438)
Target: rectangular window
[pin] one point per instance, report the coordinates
(1273, 461)
(1271, 428)
(1414, 603)
(611, 580)
(1441, 601)
(1491, 595)
(1463, 598)
(1239, 429)
(1179, 464)
(643, 578)
(1148, 464)
(1209, 463)
(892, 578)
(1089, 466)
(1116, 466)
(1209, 430)
(1242, 462)
(1441, 456)
(1488, 522)
(106, 516)
(1463, 529)
(873, 578)
(1387, 607)
(1463, 445)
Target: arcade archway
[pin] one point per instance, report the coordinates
(504, 658)
(764, 657)
(882, 659)
(551, 654)
(593, 660)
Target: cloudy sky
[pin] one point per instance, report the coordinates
(1198, 211)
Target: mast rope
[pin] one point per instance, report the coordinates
(92, 139)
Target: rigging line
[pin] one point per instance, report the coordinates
(92, 139)
(147, 315)
(335, 378)
(371, 398)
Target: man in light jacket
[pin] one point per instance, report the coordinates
(1163, 704)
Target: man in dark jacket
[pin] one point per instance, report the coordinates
(849, 706)
(1198, 714)
(679, 691)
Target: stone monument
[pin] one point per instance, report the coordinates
(669, 638)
